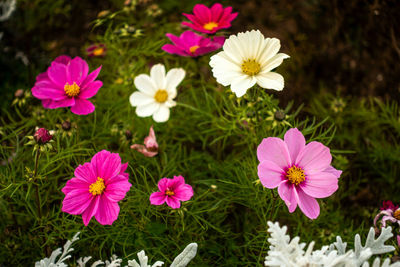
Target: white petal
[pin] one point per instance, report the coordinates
(273, 62)
(162, 114)
(233, 49)
(147, 110)
(272, 46)
(144, 84)
(174, 77)
(139, 98)
(157, 74)
(270, 80)
(240, 85)
(170, 103)
(224, 70)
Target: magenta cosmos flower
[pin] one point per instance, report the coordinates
(190, 44)
(66, 83)
(97, 187)
(210, 20)
(301, 172)
(172, 191)
(150, 147)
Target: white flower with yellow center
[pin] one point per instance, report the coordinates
(247, 59)
(156, 92)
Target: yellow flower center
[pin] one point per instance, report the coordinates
(295, 175)
(193, 49)
(72, 90)
(161, 96)
(209, 26)
(251, 67)
(396, 214)
(169, 193)
(97, 187)
(98, 51)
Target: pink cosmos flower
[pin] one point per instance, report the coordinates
(97, 187)
(42, 136)
(66, 83)
(301, 172)
(150, 147)
(389, 212)
(210, 20)
(190, 44)
(96, 50)
(172, 191)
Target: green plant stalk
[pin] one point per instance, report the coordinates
(37, 186)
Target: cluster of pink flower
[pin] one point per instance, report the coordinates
(389, 213)
(204, 20)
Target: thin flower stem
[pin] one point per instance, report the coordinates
(273, 205)
(37, 186)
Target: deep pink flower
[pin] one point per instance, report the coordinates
(388, 205)
(190, 44)
(150, 147)
(172, 191)
(389, 212)
(301, 172)
(97, 187)
(210, 20)
(96, 50)
(66, 83)
(42, 136)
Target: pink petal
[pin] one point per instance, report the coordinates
(75, 184)
(286, 191)
(91, 210)
(77, 71)
(163, 184)
(216, 12)
(192, 18)
(42, 76)
(106, 164)
(184, 192)
(48, 93)
(91, 77)
(58, 74)
(63, 59)
(86, 173)
(333, 171)
(107, 211)
(124, 166)
(308, 205)
(176, 182)
(117, 190)
(270, 174)
(82, 107)
(320, 185)
(67, 102)
(275, 150)
(76, 202)
(202, 13)
(171, 49)
(90, 89)
(196, 27)
(151, 141)
(157, 198)
(315, 157)
(295, 142)
(173, 202)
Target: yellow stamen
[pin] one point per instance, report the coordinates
(161, 96)
(295, 175)
(193, 49)
(396, 214)
(169, 193)
(72, 90)
(97, 187)
(98, 51)
(209, 26)
(251, 67)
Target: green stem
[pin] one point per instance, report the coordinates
(273, 205)
(37, 186)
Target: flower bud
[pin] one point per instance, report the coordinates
(42, 136)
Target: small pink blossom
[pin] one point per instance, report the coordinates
(66, 83)
(172, 191)
(190, 44)
(210, 20)
(42, 136)
(96, 50)
(389, 205)
(97, 187)
(389, 212)
(301, 172)
(150, 147)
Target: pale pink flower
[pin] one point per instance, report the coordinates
(190, 44)
(301, 172)
(97, 187)
(210, 20)
(150, 147)
(172, 191)
(67, 83)
(389, 212)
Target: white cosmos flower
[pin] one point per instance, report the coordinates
(247, 59)
(156, 92)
